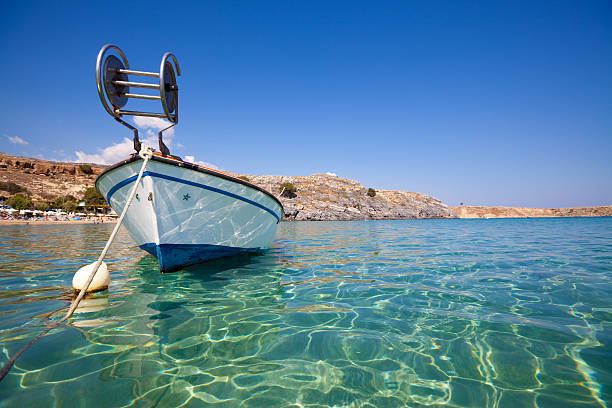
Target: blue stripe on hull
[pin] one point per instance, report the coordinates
(172, 257)
(190, 183)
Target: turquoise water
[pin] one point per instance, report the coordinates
(418, 313)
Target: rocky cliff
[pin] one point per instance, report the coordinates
(318, 197)
(523, 212)
(46, 180)
(325, 197)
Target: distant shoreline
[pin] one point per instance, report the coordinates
(465, 212)
(469, 211)
(52, 222)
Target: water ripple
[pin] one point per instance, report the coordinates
(458, 313)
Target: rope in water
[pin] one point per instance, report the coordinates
(146, 153)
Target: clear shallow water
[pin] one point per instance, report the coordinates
(480, 313)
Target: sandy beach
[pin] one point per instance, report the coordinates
(51, 222)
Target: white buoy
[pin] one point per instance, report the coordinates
(99, 282)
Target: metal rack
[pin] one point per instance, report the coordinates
(114, 89)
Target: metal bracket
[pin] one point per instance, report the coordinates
(114, 89)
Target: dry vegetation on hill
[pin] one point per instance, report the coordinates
(46, 180)
(316, 197)
(325, 197)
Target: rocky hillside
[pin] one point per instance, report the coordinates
(46, 180)
(318, 197)
(522, 212)
(324, 197)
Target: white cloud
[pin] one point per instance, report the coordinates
(153, 125)
(148, 131)
(331, 174)
(119, 151)
(108, 155)
(16, 140)
(192, 159)
(148, 128)
(145, 122)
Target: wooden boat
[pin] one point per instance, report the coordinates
(182, 213)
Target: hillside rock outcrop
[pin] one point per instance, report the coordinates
(46, 179)
(319, 197)
(323, 197)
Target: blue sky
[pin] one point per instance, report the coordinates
(486, 103)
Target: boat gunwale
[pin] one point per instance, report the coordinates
(191, 166)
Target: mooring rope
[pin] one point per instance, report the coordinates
(146, 153)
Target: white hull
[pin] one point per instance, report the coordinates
(184, 214)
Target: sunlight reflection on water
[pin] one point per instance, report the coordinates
(484, 313)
